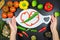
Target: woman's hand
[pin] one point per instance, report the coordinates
(12, 24)
(13, 27)
(53, 25)
(53, 28)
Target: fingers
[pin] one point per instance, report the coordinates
(13, 20)
(9, 22)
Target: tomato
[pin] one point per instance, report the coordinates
(10, 14)
(4, 15)
(12, 9)
(5, 8)
(16, 4)
(10, 3)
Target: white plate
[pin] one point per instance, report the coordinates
(35, 22)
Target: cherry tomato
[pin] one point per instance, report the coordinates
(4, 15)
(12, 9)
(10, 14)
(10, 3)
(16, 4)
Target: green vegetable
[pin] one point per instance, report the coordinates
(2, 23)
(34, 15)
(34, 30)
(40, 6)
(57, 14)
(34, 3)
(33, 37)
(21, 28)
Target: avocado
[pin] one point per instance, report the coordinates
(40, 6)
(34, 3)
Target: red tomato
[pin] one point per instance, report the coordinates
(16, 4)
(10, 15)
(4, 15)
(12, 9)
(10, 3)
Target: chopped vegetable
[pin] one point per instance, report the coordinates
(48, 34)
(21, 28)
(40, 6)
(57, 14)
(6, 31)
(16, 4)
(34, 15)
(4, 15)
(20, 34)
(10, 3)
(23, 4)
(25, 33)
(10, 14)
(2, 2)
(34, 30)
(42, 29)
(48, 6)
(12, 9)
(34, 3)
(33, 37)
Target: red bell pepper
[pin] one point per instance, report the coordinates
(48, 6)
(42, 29)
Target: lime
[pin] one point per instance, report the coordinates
(34, 3)
(56, 14)
(40, 6)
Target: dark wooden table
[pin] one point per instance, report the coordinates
(40, 36)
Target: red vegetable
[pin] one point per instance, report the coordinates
(42, 29)
(20, 34)
(10, 14)
(4, 15)
(48, 6)
(25, 33)
(12, 9)
(16, 4)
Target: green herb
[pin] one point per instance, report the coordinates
(34, 15)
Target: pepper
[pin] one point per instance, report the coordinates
(25, 33)
(23, 4)
(48, 6)
(20, 34)
(34, 30)
(34, 15)
(42, 29)
(21, 28)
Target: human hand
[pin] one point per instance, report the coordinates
(53, 25)
(12, 24)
